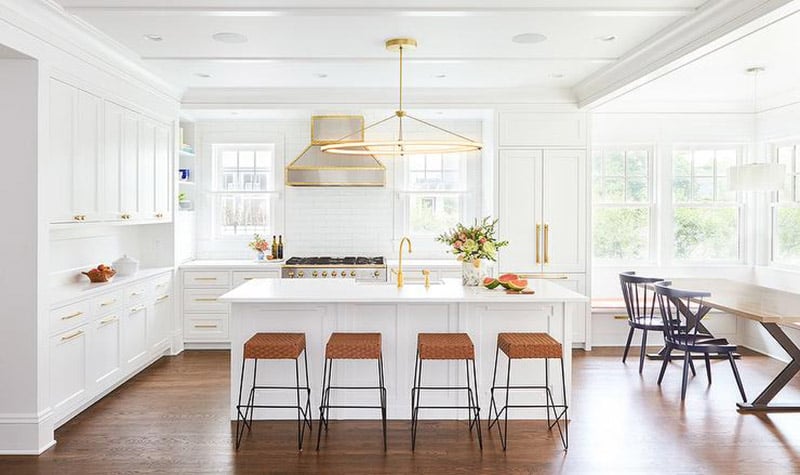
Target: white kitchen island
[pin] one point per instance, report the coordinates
(320, 307)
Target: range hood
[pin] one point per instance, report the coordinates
(313, 167)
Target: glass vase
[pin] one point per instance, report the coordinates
(471, 274)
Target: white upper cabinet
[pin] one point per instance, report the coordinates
(107, 162)
(542, 211)
(542, 129)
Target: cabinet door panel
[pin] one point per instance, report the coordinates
(104, 360)
(68, 370)
(159, 320)
(129, 179)
(86, 168)
(59, 166)
(564, 210)
(163, 171)
(147, 168)
(519, 209)
(134, 336)
(111, 206)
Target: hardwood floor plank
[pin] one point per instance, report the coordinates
(172, 418)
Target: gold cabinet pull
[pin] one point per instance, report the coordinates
(163, 297)
(544, 276)
(248, 278)
(109, 302)
(72, 335)
(620, 317)
(538, 233)
(159, 215)
(137, 308)
(125, 216)
(205, 300)
(546, 243)
(107, 320)
(205, 325)
(71, 316)
(136, 294)
(205, 278)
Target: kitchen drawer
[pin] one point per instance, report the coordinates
(206, 279)
(203, 301)
(211, 327)
(240, 278)
(135, 293)
(162, 285)
(107, 302)
(69, 316)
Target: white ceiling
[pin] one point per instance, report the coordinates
(719, 78)
(291, 43)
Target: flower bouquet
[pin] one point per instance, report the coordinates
(260, 245)
(473, 244)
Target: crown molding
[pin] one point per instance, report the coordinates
(714, 26)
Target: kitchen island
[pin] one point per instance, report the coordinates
(320, 307)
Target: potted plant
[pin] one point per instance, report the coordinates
(183, 202)
(260, 245)
(473, 244)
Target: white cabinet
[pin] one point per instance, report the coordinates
(106, 162)
(158, 325)
(68, 381)
(542, 211)
(74, 160)
(105, 364)
(134, 336)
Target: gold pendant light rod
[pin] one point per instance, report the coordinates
(401, 146)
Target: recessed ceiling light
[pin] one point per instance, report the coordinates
(153, 37)
(607, 38)
(321, 75)
(229, 37)
(202, 75)
(529, 38)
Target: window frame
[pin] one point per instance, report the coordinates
(650, 204)
(774, 201)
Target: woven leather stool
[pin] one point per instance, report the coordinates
(274, 346)
(445, 346)
(351, 346)
(529, 346)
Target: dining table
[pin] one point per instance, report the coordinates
(773, 309)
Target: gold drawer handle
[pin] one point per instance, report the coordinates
(620, 317)
(72, 335)
(538, 234)
(107, 320)
(71, 316)
(125, 216)
(163, 297)
(205, 278)
(137, 308)
(205, 325)
(546, 243)
(110, 302)
(159, 215)
(205, 300)
(136, 294)
(248, 278)
(79, 217)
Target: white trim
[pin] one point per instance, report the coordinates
(38, 451)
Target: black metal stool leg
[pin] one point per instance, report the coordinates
(323, 402)
(308, 416)
(565, 439)
(469, 397)
(492, 404)
(415, 403)
(239, 415)
(547, 385)
(381, 381)
(504, 432)
(477, 405)
(300, 430)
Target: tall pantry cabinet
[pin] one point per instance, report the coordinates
(542, 202)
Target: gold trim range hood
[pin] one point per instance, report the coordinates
(313, 167)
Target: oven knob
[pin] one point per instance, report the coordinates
(324, 273)
(301, 274)
(291, 275)
(377, 273)
(352, 273)
(314, 274)
(344, 274)
(334, 274)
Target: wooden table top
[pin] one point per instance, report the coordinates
(762, 304)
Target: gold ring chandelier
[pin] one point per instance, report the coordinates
(402, 146)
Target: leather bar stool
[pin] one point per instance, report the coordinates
(529, 346)
(445, 346)
(274, 346)
(351, 346)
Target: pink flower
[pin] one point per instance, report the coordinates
(457, 244)
(462, 236)
(482, 240)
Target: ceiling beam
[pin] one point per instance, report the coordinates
(715, 25)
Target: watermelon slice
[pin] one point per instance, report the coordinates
(490, 283)
(506, 278)
(518, 284)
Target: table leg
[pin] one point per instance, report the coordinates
(693, 321)
(762, 402)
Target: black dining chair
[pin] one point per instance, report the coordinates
(640, 303)
(681, 311)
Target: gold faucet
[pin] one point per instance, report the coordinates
(400, 259)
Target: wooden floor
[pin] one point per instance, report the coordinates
(172, 418)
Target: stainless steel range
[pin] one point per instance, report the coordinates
(359, 268)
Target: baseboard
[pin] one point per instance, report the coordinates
(198, 345)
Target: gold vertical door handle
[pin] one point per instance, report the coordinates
(538, 233)
(546, 243)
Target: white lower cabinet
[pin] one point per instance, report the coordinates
(105, 362)
(68, 382)
(100, 341)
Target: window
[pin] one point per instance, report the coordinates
(243, 189)
(786, 211)
(623, 204)
(438, 191)
(706, 216)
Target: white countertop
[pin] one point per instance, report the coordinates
(425, 263)
(64, 294)
(348, 290)
(244, 264)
